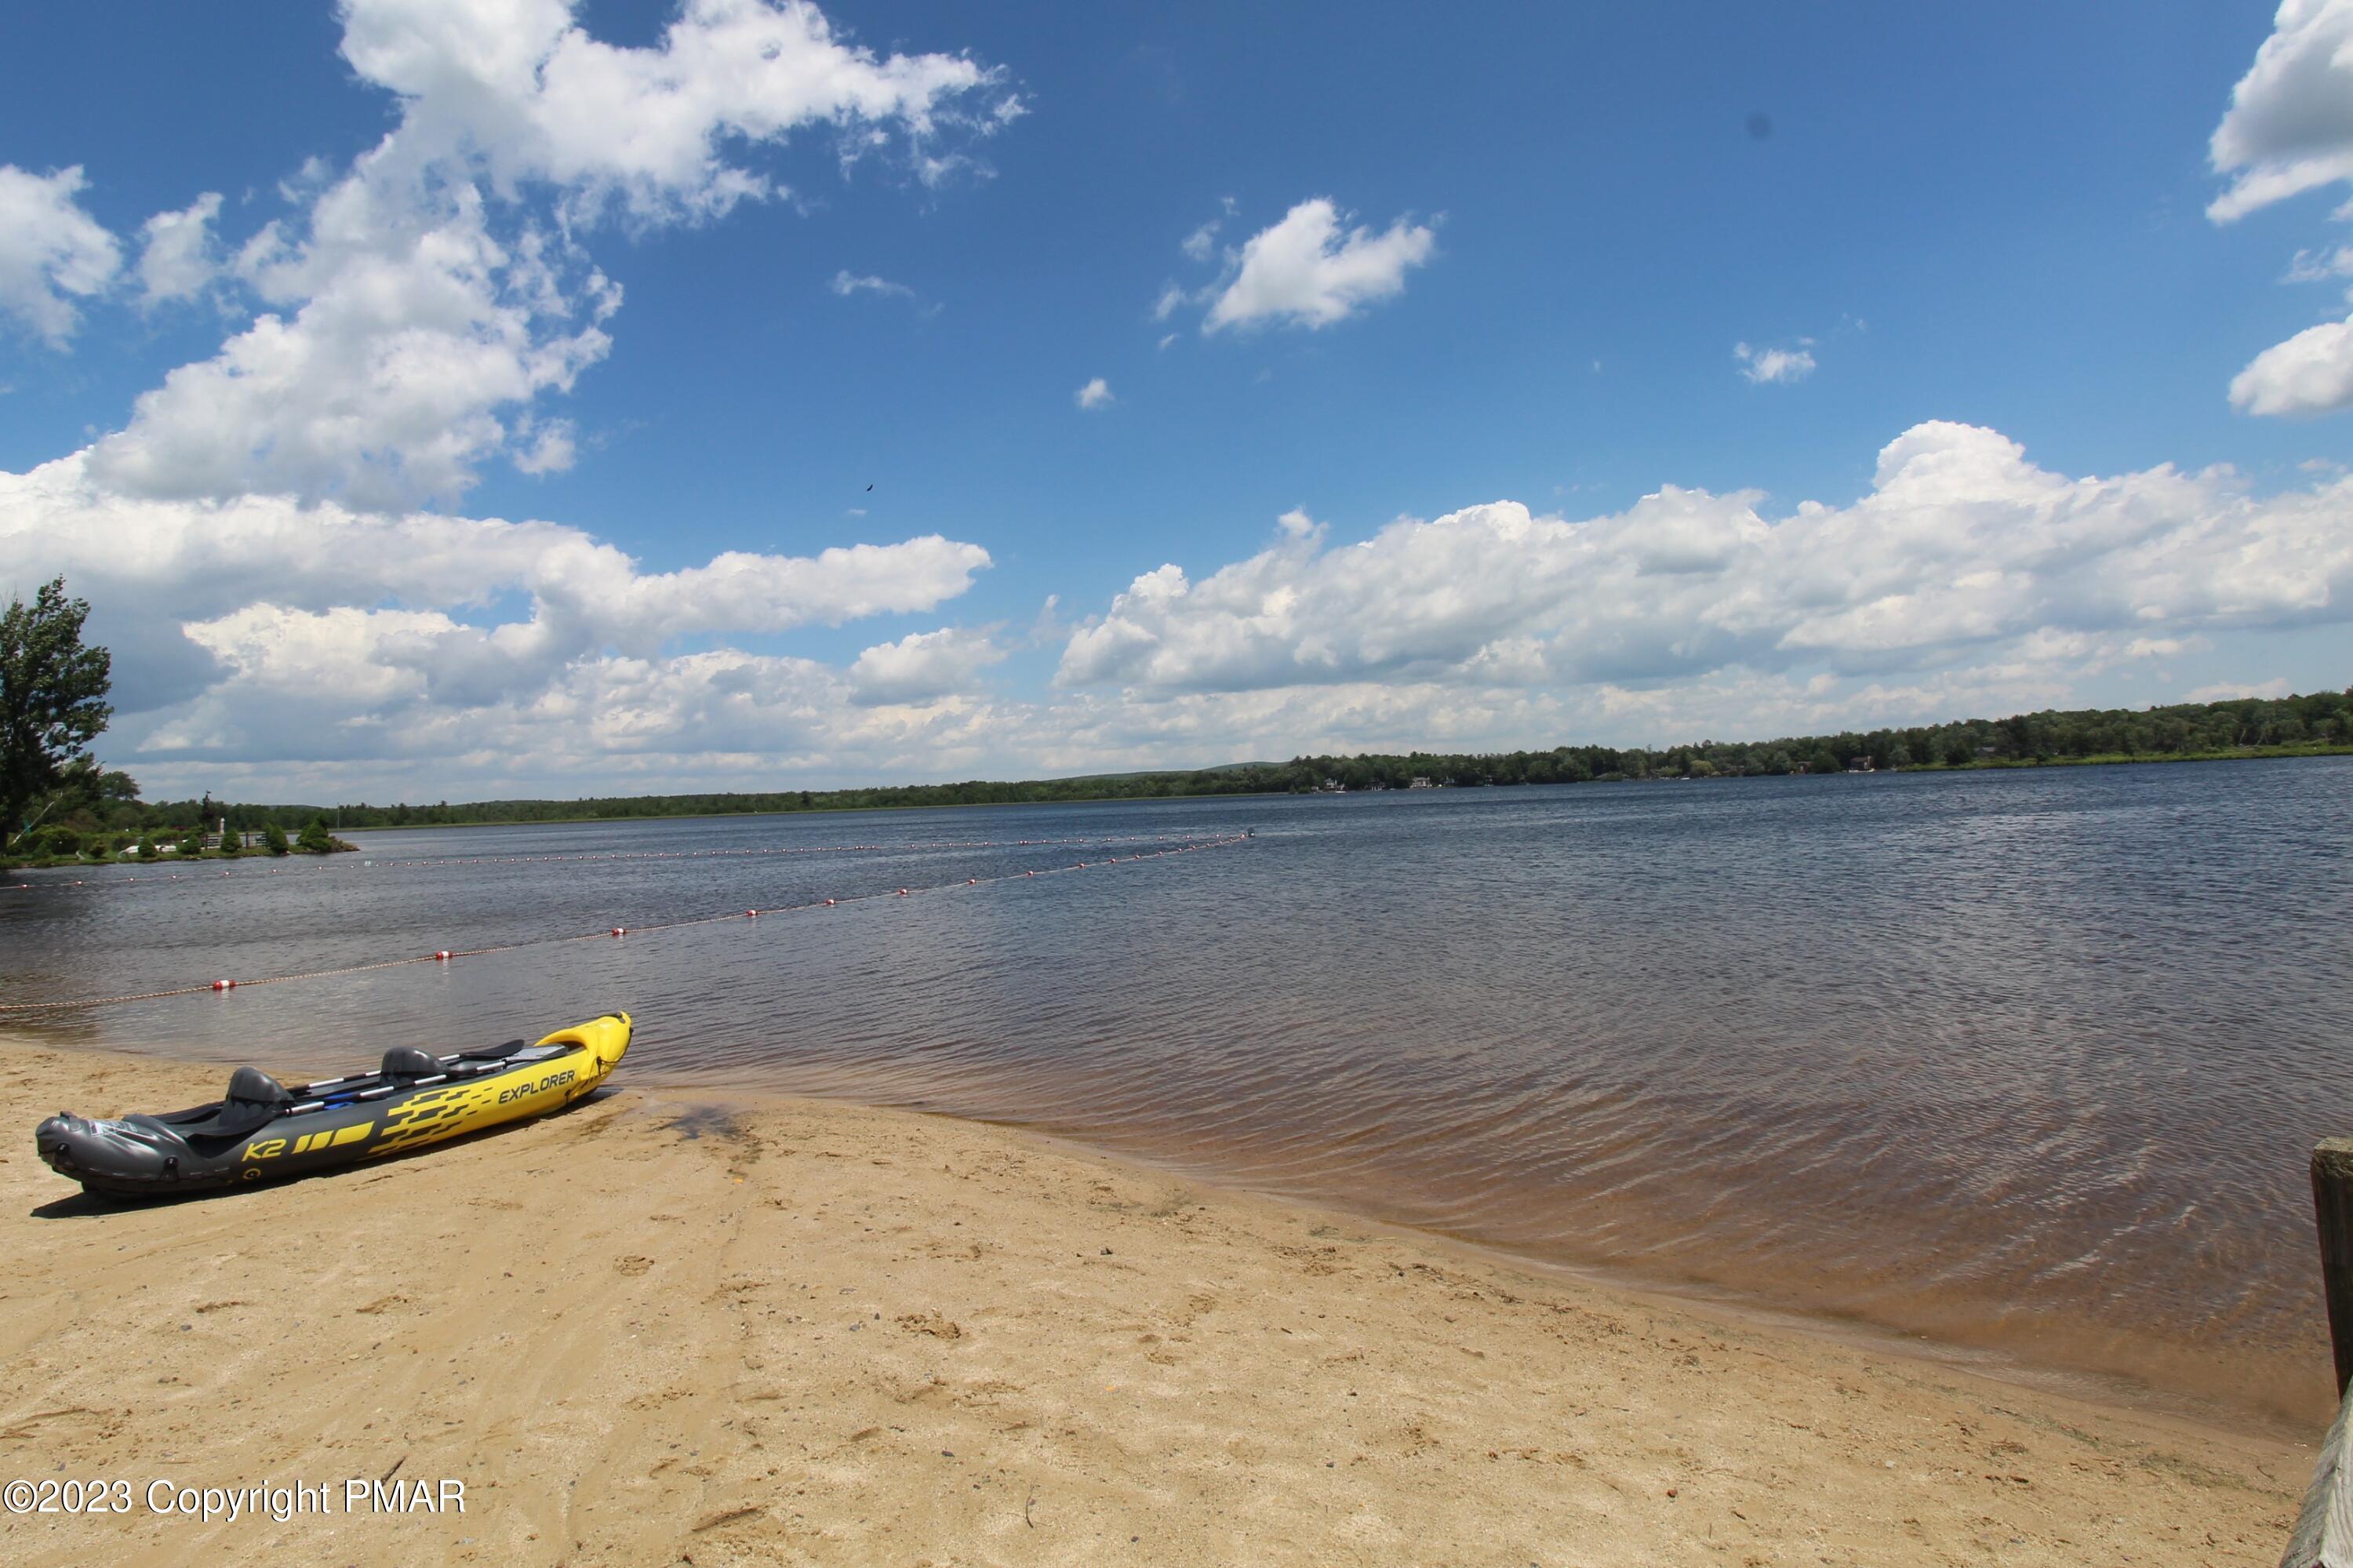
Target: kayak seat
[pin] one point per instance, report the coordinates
(251, 1085)
(406, 1061)
(253, 1101)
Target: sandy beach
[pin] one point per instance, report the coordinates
(660, 1328)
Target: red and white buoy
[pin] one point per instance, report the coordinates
(442, 955)
(620, 930)
(223, 985)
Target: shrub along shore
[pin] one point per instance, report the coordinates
(66, 844)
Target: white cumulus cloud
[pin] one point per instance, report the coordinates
(179, 260)
(922, 666)
(2311, 373)
(419, 303)
(1307, 270)
(51, 251)
(1764, 367)
(234, 602)
(1962, 551)
(2289, 130)
(383, 386)
(1095, 394)
(544, 446)
(521, 91)
(695, 721)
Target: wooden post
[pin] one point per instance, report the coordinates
(2332, 1207)
(2324, 1532)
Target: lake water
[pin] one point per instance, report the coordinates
(2026, 1063)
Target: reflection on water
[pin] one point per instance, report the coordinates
(2026, 1060)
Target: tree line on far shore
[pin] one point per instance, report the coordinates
(2317, 723)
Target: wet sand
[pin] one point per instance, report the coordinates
(659, 1329)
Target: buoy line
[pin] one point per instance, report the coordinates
(109, 884)
(153, 878)
(911, 847)
(447, 955)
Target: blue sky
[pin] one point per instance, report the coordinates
(1727, 258)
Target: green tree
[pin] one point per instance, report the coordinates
(315, 839)
(192, 846)
(52, 700)
(273, 839)
(232, 843)
(147, 847)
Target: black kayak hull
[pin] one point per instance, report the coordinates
(337, 1121)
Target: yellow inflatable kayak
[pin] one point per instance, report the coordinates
(262, 1129)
